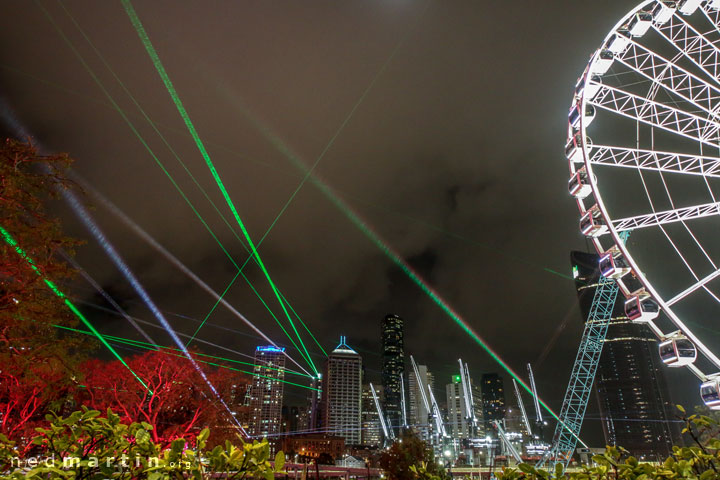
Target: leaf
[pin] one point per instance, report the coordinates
(279, 461)
(681, 408)
(524, 467)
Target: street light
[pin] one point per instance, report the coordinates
(448, 464)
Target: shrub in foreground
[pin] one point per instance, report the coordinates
(86, 445)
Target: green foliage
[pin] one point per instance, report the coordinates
(421, 472)
(410, 458)
(700, 461)
(86, 445)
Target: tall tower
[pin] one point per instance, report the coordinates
(493, 399)
(456, 409)
(266, 391)
(418, 414)
(393, 367)
(342, 394)
(371, 428)
(632, 393)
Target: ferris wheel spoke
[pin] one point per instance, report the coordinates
(653, 113)
(667, 216)
(656, 161)
(713, 15)
(671, 77)
(698, 49)
(699, 284)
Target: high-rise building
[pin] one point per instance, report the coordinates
(342, 394)
(266, 391)
(630, 385)
(372, 435)
(393, 368)
(460, 426)
(493, 399)
(419, 416)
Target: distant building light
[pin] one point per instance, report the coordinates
(270, 348)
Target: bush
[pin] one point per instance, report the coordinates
(86, 445)
(700, 461)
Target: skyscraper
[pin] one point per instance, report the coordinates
(458, 425)
(372, 435)
(418, 414)
(393, 367)
(266, 391)
(632, 393)
(342, 393)
(493, 400)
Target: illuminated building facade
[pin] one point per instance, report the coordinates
(266, 392)
(632, 393)
(493, 399)
(418, 414)
(342, 394)
(371, 435)
(393, 368)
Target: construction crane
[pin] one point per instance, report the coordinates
(431, 409)
(389, 435)
(467, 395)
(583, 373)
(437, 416)
(538, 412)
(402, 402)
(522, 407)
(506, 441)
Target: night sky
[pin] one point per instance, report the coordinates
(453, 116)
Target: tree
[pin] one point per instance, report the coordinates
(407, 456)
(27, 181)
(37, 363)
(178, 400)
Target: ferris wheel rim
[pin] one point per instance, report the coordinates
(599, 202)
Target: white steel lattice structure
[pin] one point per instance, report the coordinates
(650, 99)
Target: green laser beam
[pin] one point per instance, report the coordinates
(14, 245)
(304, 326)
(151, 324)
(355, 198)
(156, 159)
(187, 170)
(217, 302)
(161, 349)
(135, 20)
(341, 205)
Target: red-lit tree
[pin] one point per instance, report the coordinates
(181, 403)
(37, 363)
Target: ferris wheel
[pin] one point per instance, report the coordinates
(650, 99)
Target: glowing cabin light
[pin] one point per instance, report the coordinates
(688, 7)
(640, 310)
(619, 42)
(579, 184)
(613, 264)
(677, 351)
(710, 393)
(587, 117)
(640, 24)
(603, 62)
(663, 11)
(592, 223)
(574, 149)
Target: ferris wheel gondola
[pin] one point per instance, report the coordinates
(652, 94)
